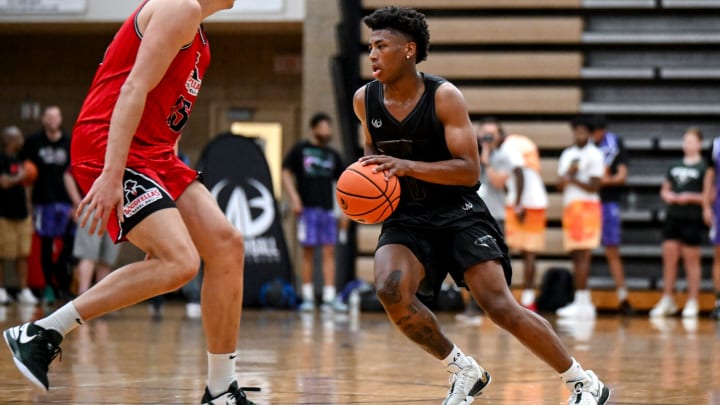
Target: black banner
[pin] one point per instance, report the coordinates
(236, 173)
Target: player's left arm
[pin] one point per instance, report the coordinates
(463, 169)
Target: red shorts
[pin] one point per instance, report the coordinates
(148, 186)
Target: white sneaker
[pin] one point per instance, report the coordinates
(590, 391)
(665, 307)
(27, 297)
(335, 305)
(193, 310)
(4, 298)
(466, 383)
(307, 306)
(691, 309)
(577, 310)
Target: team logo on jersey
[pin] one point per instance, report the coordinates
(137, 197)
(194, 81)
(376, 122)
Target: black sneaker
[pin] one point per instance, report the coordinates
(715, 314)
(625, 308)
(233, 396)
(33, 349)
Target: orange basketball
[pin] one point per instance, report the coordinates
(31, 173)
(367, 197)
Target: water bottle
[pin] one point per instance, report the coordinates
(354, 301)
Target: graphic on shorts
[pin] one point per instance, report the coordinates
(137, 197)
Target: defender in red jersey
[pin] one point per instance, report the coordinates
(123, 160)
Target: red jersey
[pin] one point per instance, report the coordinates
(167, 106)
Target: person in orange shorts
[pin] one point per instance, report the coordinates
(580, 169)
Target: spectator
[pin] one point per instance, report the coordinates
(611, 191)
(96, 254)
(683, 193)
(54, 195)
(580, 170)
(711, 215)
(514, 166)
(309, 170)
(15, 223)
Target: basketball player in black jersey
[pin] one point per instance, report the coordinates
(417, 128)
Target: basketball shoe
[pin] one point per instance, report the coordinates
(466, 382)
(233, 396)
(590, 391)
(33, 349)
(665, 307)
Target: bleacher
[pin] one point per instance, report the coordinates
(651, 66)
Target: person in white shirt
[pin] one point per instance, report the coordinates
(580, 169)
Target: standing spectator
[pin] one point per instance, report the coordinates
(611, 191)
(15, 223)
(514, 167)
(53, 197)
(682, 191)
(580, 170)
(711, 215)
(96, 254)
(309, 171)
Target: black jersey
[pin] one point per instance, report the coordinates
(419, 137)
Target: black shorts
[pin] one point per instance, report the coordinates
(451, 248)
(688, 231)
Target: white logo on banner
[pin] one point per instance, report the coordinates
(239, 210)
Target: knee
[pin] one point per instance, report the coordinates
(185, 264)
(389, 289)
(234, 246)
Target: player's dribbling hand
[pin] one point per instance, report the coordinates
(105, 195)
(392, 166)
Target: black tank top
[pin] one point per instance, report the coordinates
(419, 137)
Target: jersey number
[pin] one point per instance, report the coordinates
(179, 114)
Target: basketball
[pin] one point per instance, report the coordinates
(31, 173)
(367, 197)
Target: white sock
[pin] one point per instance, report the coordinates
(528, 297)
(63, 320)
(308, 292)
(582, 297)
(221, 372)
(456, 356)
(622, 293)
(328, 293)
(573, 374)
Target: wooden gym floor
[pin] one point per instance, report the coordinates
(127, 358)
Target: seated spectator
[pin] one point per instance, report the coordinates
(682, 191)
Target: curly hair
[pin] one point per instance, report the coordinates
(405, 20)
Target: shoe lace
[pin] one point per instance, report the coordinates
(239, 395)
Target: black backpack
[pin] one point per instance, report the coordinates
(556, 290)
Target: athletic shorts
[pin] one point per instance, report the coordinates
(528, 235)
(317, 227)
(688, 231)
(581, 222)
(53, 220)
(15, 238)
(611, 224)
(451, 249)
(94, 247)
(147, 187)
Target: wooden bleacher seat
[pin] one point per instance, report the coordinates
(546, 135)
(367, 237)
(690, 73)
(496, 65)
(548, 170)
(632, 4)
(522, 100)
(644, 38)
(647, 73)
(475, 4)
(502, 30)
(651, 109)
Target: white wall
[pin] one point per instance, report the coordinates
(98, 11)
